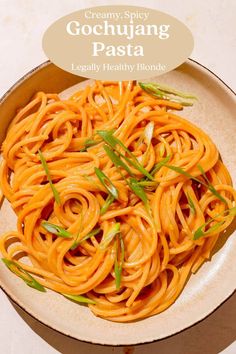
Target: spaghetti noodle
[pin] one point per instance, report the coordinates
(117, 198)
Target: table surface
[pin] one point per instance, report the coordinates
(22, 24)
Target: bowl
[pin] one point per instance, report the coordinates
(206, 290)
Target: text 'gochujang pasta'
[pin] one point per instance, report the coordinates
(117, 198)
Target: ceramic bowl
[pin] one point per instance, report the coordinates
(214, 112)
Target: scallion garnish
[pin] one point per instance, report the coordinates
(148, 133)
(80, 299)
(158, 165)
(200, 233)
(134, 185)
(119, 264)
(137, 165)
(116, 160)
(191, 204)
(182, 172)
(185, 173)
(106, 182)
(145, 183)
(138, 190)
(171, 90)
(89, 235)
(210, 186)
(46, 169)
(88, 143)
(110, 199)
(75, 244)
(56, 230)
(108, 137)
(109, 236)
(17, 269)
(112, 141)
(166, 93)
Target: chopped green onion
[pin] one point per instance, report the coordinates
(210, 186)
(88, 143)
(110, 199)
(132, 182)
(162, 150)
(150, 88)
(29, 280)
(46, 169)
(148, 132)
(185, 173)
(138, 190)
(79, 298)
(136, 164)
(116, 160)
(160, 164)
(203, 173)
(134, 185)
(107, 136)
(89, 235)
(109, 236)
(112, 141)
(74, 244)
(167, 93)
(119, 265)
(56, 230)
(106, 182)
(191, 204)
(170, 90)
(145, 183)
(92, 233)
(199, 232)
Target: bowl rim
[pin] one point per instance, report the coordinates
(33, 315)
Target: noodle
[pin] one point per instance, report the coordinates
(156, 222)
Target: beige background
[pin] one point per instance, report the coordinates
(22, 23)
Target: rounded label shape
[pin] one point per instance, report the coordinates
(118, 43)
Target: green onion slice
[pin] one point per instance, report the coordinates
(119, 265)
(210, 186)
(106, 182)
(191, 204)
(116, 160)
(200, 232)
(108, 137)
(160, 164)
(92, 233)
(46, 169)
(112, 141)
(136, 164)
(80, 299)
(185, 173)
(145, 183)
(109, 236)
(148, 133)
(167, 93)
(138, 190)
(110, 199)
(56, 230)
(133, 184)
(28, 279)
(88, 143)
